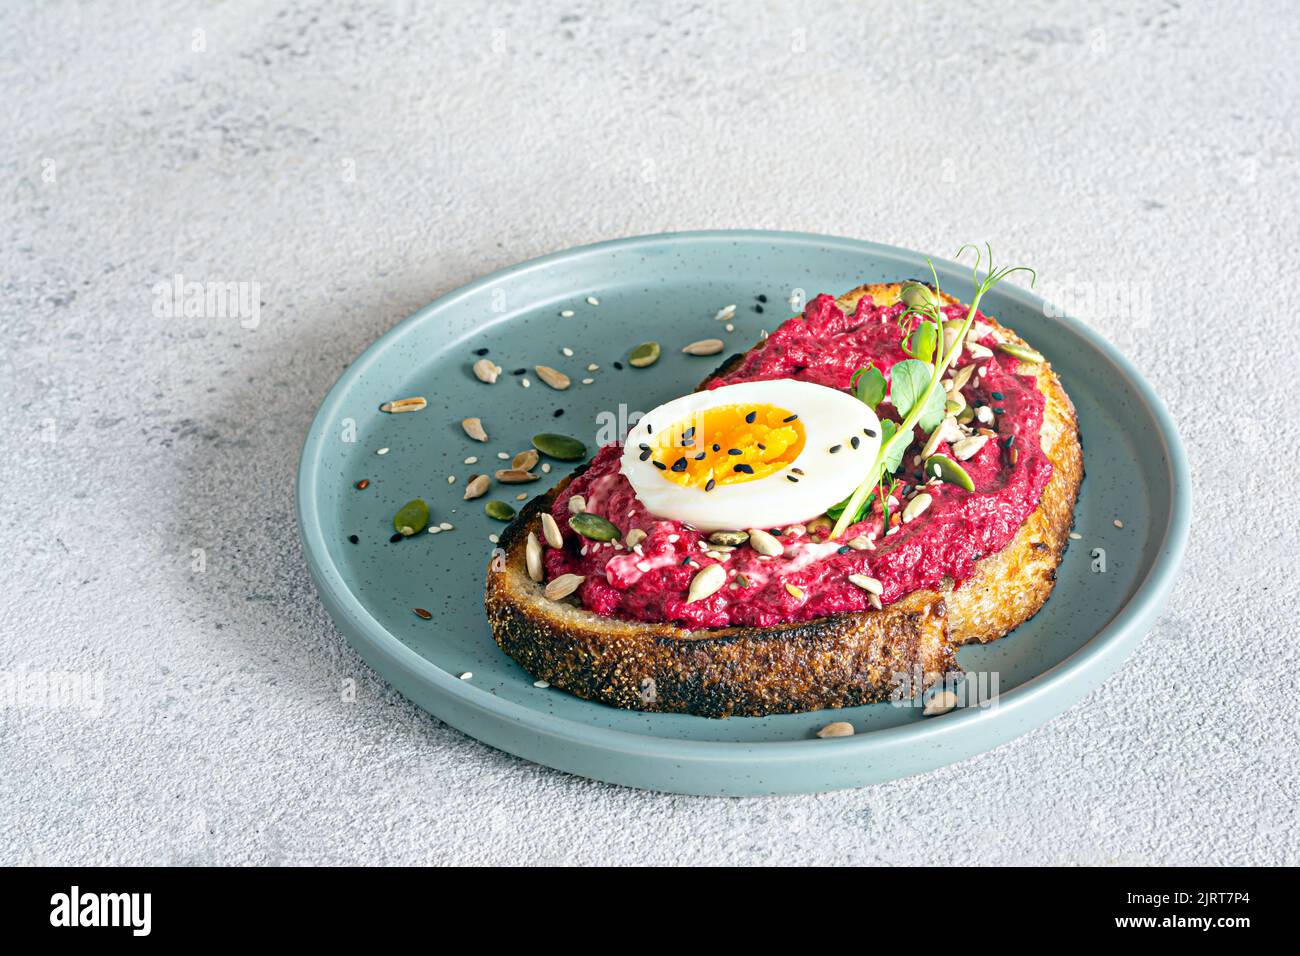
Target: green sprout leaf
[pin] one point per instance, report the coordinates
(920, 345)
(910, 387)
(869, 385)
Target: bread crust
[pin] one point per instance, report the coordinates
(841, 660)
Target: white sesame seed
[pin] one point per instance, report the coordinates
(471, 460)
(643, 567)
(1075, 536)
(503, 456)
(592, 367)
(592, 300)
(467, 675)
(521, 497)
(588, 381)
(451, 479)
(546, 468)
(730, 327)
(566, 313)
(543, 684)
(434, 529)
(382, 451)
(493, 538)
(1118, 523)
(525, 383)
(446, 526)
(568, 352)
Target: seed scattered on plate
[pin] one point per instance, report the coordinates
(644, 355)
(592, 367)
(466, 675)
(404, 405)
(552, 377)
(486, 370)
(521, 497)
(542, 684)
(1075, 536)
(546, 467)
(422, 613)
(446, 526)
(474, 428)
(1118, 523)
(363, 484)
(940, 703)
(525, 383)
(566, 313)
(588, 381)
(840, 728)
(514, 476)
(451, 479)
(525, 460)
(567, 352)
(592, 300)
(494, 539)
(705, 347)
(382, 451)
(477, 486)
(730, 327)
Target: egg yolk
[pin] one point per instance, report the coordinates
(727, 445)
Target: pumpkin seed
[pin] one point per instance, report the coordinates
(916, 507)
(820, 525)
(577, 505)
(552, 377)
(731, 538)
(955, 403)
(969, 447)
(474, 428)
(967, 415)
(403, 405)
(1022, 352)
(524, 461)
(944, 468)
(533, 557)
(411, 517)
(513, 476)
(499, 510)
(645, 354)
(940, 703)
(563, 586)
(916, 295)
(705, 347)
(764, 543)
(593, 527)
(477, 486)
(706, 581)
(551, 531)
(485, 370)
(867, 583)
(840, 728)
(962, 377)
(634, 537)
(561, 447)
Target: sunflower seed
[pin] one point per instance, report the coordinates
(577, 505)
(706, 581)
(969, 447)
(533, 557)
(477, 486)
(916, 507)
(551, 530)
(552, 377)
(563, 586)
(513, 476)
(875, 600)
(524, 461)
(867, 583)
(705, 347)
(940, 703)
(731, 538)
(403, 405)
(764, 543)
(474, 428)
(978, 352)
(861, 543)
(962, 377)
(840, 728)
(634, 537)
(726, 312)
(486, 370)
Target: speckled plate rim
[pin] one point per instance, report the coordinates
(640, 759)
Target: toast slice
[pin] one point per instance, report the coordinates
(841, 660)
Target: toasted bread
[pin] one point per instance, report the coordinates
(837, 661)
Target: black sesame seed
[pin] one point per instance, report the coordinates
(749, 419)
(353, 538)
(395, 538)
(700, 456)
(519, 371)
(835, 448)
(679, 464)
(661, 466)
(646, 454)
(734, 451)
(797, 471)
(744, 469)
(790, 419)
(708, 485)
(643, 446)
(869, 432)
(762, 447)
(999, 411)
(997, 396)
(619, 366)
(758, 308)
(855, 441)
(761, 297)
(687, 561)
(717, 447)
(480, 351)
(649, 429)
(689, 433)
(557, 413)
(844, 550)
(792, 478)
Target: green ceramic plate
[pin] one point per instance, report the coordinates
(668, 288)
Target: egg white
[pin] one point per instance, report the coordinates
(830, 417)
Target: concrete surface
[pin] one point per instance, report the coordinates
(358, 161)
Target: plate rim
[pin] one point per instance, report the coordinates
(1149, 592)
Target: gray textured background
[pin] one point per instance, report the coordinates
(358, 161)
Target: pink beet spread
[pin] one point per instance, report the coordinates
(959, 528)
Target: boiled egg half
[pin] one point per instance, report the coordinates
(752, 455)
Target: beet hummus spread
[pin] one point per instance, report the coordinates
(649, 582)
